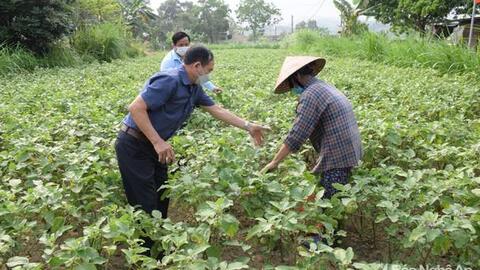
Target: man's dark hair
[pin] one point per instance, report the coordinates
(198, 54)
(178, 36)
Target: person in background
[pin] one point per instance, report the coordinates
(174, 58)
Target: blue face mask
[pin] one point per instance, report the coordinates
(298, 90)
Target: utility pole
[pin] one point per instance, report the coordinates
(292, 24)
(470, 36)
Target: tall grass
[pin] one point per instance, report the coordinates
(249, 45)
(17, 59)
(407, 52)
(60, 55)
(375, 47)
(104, 42)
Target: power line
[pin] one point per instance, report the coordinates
(317, 10)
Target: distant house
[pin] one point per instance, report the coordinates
(458, 30)
(239, 38)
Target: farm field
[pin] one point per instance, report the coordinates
(415, 199)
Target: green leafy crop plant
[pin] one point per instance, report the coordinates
(414, 200)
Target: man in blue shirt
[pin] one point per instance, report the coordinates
(157, 113)
(173, 59)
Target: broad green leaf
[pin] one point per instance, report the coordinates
(417, 233)
(85, 266)
(344, 256)
(283, 267)
(157, 214)
(237, 266)
(229, 225)
(17, 261)
(214, 251)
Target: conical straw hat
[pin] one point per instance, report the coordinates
(293, 64)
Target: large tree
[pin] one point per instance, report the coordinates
(174, 15)
(137, 15)
(207, 20)
(312, 24)
(301, 25)
(414, 14)
(34, 24)
(89, 12)
(211, 19)
(257, 14)
(349, 17)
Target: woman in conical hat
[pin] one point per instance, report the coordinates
(325, 116)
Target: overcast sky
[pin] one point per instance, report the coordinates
(321, 10)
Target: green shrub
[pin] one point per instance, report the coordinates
(303, 39)
(104, 41)
(135, 49)
(34, 25)
(16, 59)
(375, 46)
(249, 45)
(61, 55)
(411, 51)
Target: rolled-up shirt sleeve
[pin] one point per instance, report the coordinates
(309, 110)
(203, 99)
(156, 93)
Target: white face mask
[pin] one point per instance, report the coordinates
(181, 50)
(203, 78)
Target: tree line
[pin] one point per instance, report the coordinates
(40, 25)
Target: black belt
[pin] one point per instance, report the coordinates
(133, 132)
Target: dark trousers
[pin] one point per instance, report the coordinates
(334, 176)
(142, 175)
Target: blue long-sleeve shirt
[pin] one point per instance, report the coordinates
(173, 60)
(170, 97)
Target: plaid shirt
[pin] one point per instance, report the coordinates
(326, 116)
